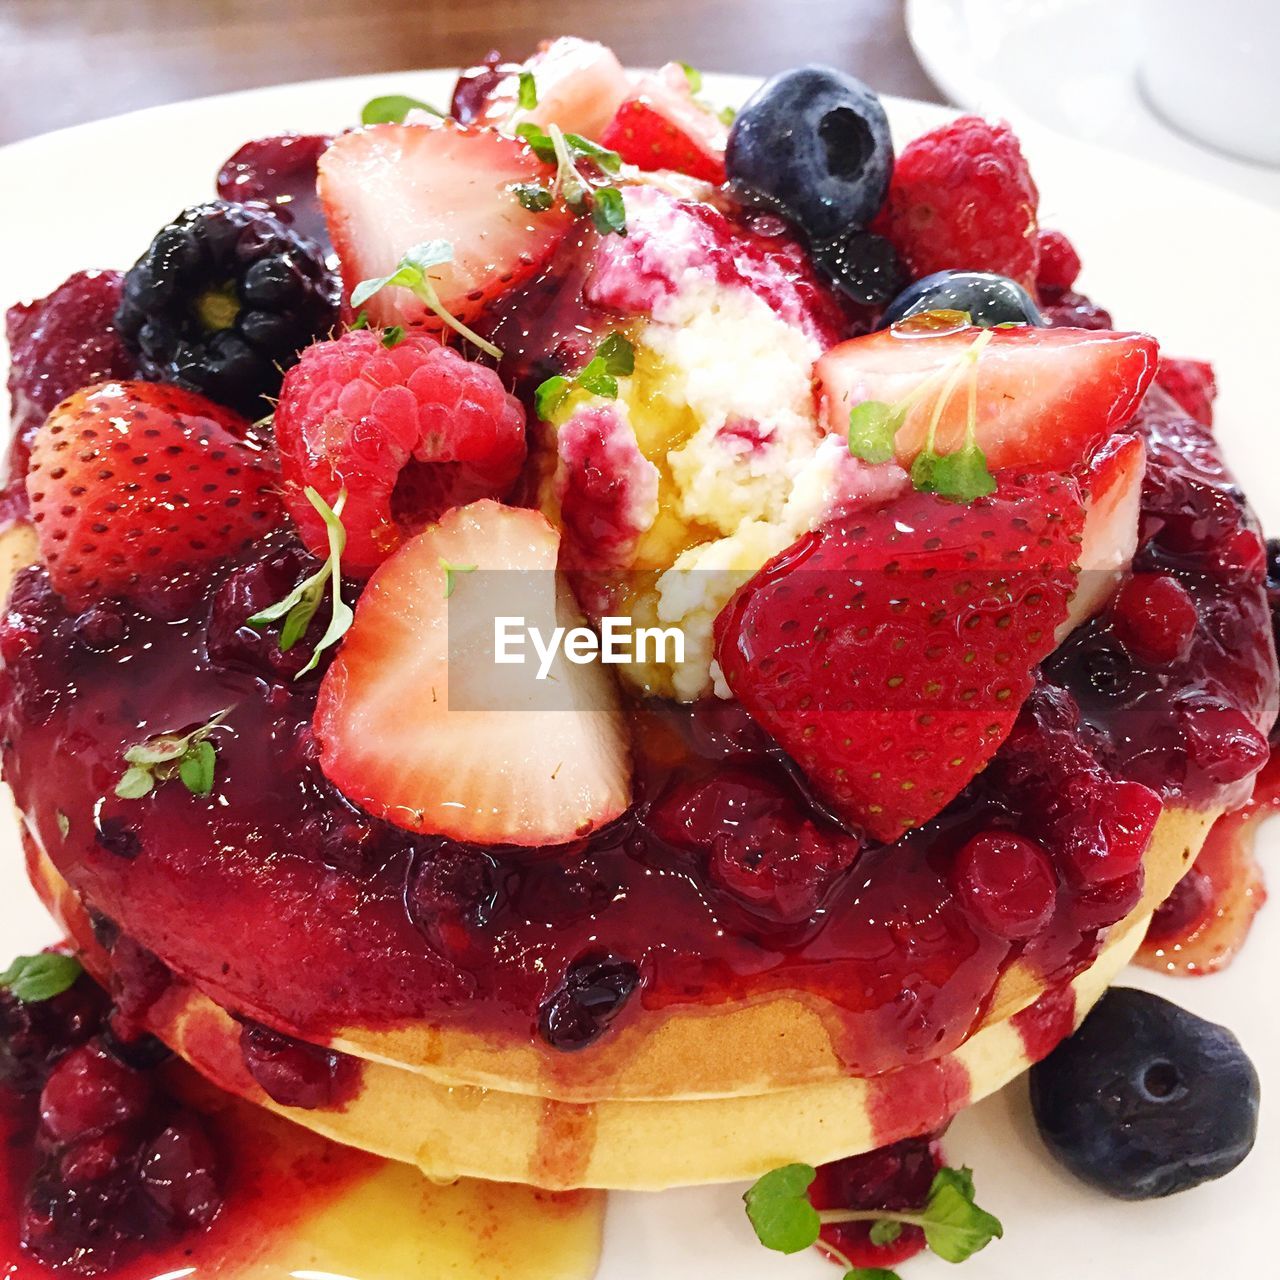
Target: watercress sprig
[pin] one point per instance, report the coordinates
(300, 605)
(614, 358)
(392, 108)
(191, 756)
(412, 273)
(954, 1227)
(33, 979)
(582, 196)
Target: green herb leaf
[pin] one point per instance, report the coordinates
(135, 783)
(961, 476)
(550, 395)
(727, 115)
(584, 149)
(779, 1209)
(532, 196)
(360, 322)
(608, 211)
(870, 1273)
(64, 824)
(197, 766)
(341, 615)
(32, 979)
(393, 336)
(693, 76)
(597, 379)
(538, 140)
(392, 109)
(954, 1227)
(528, 94)
(872, 428)
(618, 354)
(886, 1231)
(449, 571)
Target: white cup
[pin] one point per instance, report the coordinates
(1212, 69)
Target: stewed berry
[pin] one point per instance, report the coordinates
(1007, 882)
(1146, 1099)
(590, 997)
(294, 1073)
(223, 300)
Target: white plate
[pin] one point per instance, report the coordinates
(1069, 65)
(1164, 253)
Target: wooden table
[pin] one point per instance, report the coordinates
(63, 62)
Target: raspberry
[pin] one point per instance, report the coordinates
(409, 431)
(57, 345)
(1007, 883)
(1155, 617)
(962, 198)
(1065, 309)
(1059, 262)
(1192, 384)
(224, 298)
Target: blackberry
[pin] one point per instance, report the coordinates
(223, 300)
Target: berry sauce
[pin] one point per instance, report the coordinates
(292, 908)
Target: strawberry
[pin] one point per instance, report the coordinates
(661, 126)
(1046, 397)
(466, 749)
(889, 652)
(135, 482)
(390, 187)
(1113, 495)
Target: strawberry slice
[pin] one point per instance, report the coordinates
(1113, 499)
(390, 187)
(662, 126)
(418, 725)
(1046, 397)
(889, 652)
(134, 483)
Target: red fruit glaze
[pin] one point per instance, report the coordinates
(1008, 883)
(408, 431)
(90, 1092)
(962, 198)
(1155, 616)
(57, 345)
(280, 171)
(133, 484)
(890, 708)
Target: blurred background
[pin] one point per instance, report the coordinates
(1111, 72)
(66, 61)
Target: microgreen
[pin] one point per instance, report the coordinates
(393, 336)
(189, 756)
(614, 358)
(32, 979)
(693, 76)
(64, 823)
(412, 273)
(528, 92)
(581, 196)
(392, 109)
(954, 1227)
(961, 475)
(449, 571)
(727, 115)
(533, 196)
(300, 605)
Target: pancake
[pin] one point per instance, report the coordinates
(467, 1130)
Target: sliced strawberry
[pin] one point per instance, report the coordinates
(1046, 397)
(661, 126)
(134, 483)
(889, 652)
(1113, 499)
(418, 725)
(579, 84)
(393, 186)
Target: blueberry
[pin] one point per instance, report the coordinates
(814, 143)
(988, 298)
(592, 994)
(1146, 1099)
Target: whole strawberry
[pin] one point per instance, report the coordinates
(134, 483)
(962, 198)
(889, 652)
